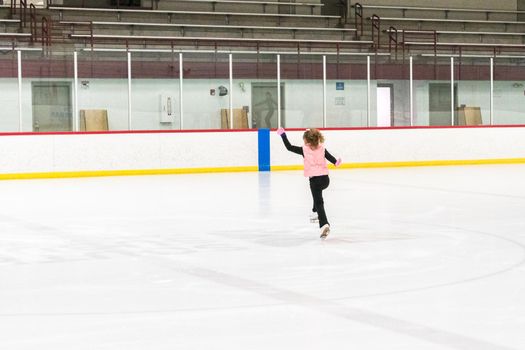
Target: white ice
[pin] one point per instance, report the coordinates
(429, 258)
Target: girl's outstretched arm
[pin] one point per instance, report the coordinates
(287, 144)
(332, 159)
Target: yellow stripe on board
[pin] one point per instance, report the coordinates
(410, 164)
(100, 173)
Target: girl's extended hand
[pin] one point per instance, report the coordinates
(280, 131)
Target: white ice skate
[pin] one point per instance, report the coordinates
(325, 230)
(314, 217)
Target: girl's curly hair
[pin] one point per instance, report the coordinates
(313, 137)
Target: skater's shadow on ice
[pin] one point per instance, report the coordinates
(287, 237)
(298, 236)
(347, 237)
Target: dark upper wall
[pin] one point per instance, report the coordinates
(474, 4)
(101, 3)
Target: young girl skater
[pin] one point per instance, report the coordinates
(315, 168)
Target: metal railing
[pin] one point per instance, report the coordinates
(358, 17)
(46, 32)
(423, 35)
(32, 22)
(393, 41)
(376, 27)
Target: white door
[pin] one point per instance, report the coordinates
(384, 106)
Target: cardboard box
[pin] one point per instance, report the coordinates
(240, 118)
(94, 120)
(469, 116)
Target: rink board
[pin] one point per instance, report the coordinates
(33, 155)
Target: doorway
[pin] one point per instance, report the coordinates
(264, 106)
(385, 105)
(51, 106)
(439, 102)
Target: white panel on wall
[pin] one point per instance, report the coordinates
(421, 103)
(109, 94)
(347, 106)
(167, 108)
(303, 101)
(9, 102)
(509, 102)
(201, 109)
(147, 107)
(475, 94)
(384, 103)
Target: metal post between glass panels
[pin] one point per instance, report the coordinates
(129, 90)
(279, 90)
(491, 91)
(75, 92)
(411, 92)
(231, 90)
(19, 59)
(181, 105)
(368, 112)
(452, 90)
(324, 91)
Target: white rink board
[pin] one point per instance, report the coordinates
(127, 151)
(411, 145)
(218, 149)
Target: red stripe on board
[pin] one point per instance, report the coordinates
(124, 132)
(417, 127)
(252, 130)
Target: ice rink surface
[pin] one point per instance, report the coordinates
(429, 258)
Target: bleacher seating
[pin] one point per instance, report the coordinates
(486, 31)
(166, 22)
(189, 29)
(244, 26)
(200, 16)
(292, 23)
(229, 5)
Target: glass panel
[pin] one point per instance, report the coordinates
(9, 118)
(432, 97)
(103, 90)
(155, 91)
(47, 91)
(206, 91)
(509, 91)
(346, 91)
(390, 89)
(302, 98)
(255, 89)
(472, 76)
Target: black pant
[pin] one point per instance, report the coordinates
(317, 185)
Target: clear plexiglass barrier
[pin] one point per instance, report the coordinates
(117, 90)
